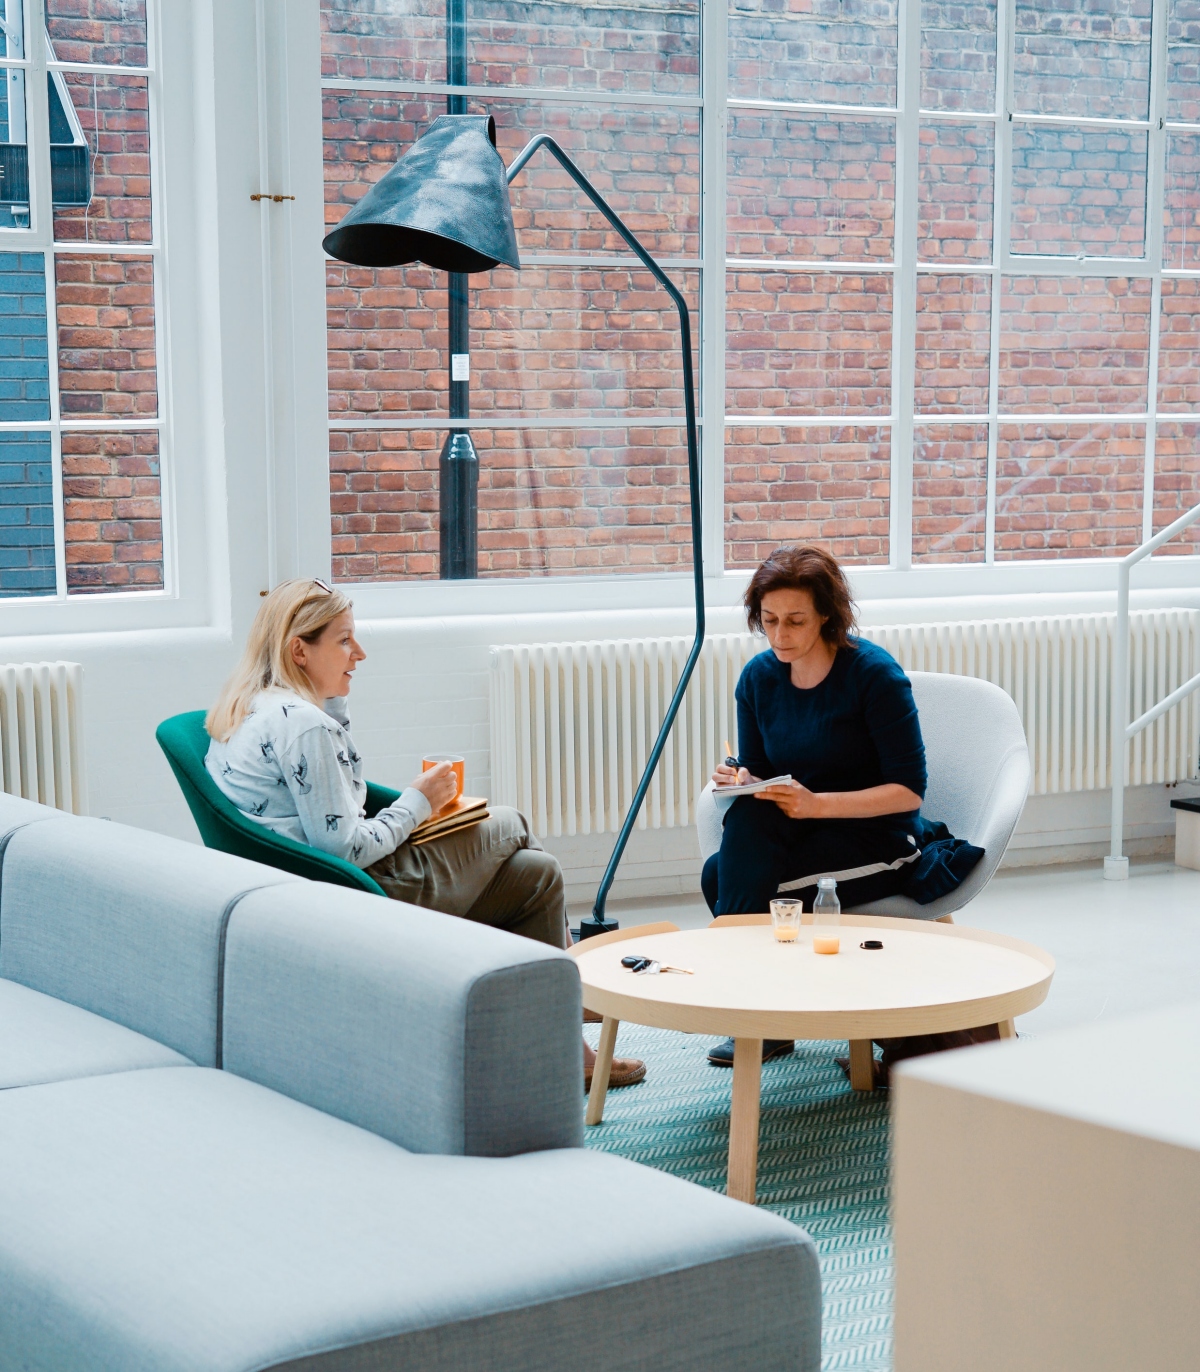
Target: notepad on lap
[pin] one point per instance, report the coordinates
(749, 789)
(464, 812)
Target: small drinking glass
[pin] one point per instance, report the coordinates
(785, 920)
(827, 917)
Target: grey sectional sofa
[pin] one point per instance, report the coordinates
(252, 1122)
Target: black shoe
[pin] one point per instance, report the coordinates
(722, 1054)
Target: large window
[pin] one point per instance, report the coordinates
(80, 481)
(957, 313)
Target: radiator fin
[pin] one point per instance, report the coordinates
(41, 733)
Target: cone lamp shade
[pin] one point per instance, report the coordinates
(444, 203)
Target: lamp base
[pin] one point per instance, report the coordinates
(590, 927)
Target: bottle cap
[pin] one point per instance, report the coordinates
(826, 884)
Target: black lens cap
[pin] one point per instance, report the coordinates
(871, 944)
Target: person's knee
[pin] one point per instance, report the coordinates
(509, 823)
(708, 881)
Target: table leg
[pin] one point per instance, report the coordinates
(743, 1120)
(1008, 1029)
(601, 1071)
(862, 1064)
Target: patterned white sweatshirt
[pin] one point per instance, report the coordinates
(294, 769)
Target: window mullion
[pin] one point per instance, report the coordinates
(904, 284)
(1001, 178)
(714, 41)
(1156, 180)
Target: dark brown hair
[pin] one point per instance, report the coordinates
(805, 569)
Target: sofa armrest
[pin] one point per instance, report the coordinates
(441, 1035)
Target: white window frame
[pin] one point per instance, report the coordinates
(901, 578)
(92, 610)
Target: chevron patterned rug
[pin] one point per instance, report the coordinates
(822, 1163)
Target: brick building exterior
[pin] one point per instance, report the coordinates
(814, 345)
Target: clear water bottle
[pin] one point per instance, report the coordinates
(827, 917)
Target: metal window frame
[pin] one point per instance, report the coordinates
(39, 237)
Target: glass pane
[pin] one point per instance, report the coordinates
(803, 343)
(1085, 57)
(1177, 483)
(112, 511)
(953, 344)
(839, 51)
(1078, 193)
(949, 517)
(600, 341)
(827, 485)
(958, 55)
(112, 32)
(956, 175)
(24, 356)
(106, 363)
(552, 502)
(1074, 343)
(810, 188)
(1179, 345)
(14, 149)
(1183, 60)
(625, 49)
(1181, 229)
(645, 162)
(26, 515)
(100, 158)
(1069, 491)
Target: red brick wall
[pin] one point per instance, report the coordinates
(105, 323)
(949, 503)
(784, 485)
(800, 343)
(551, 501)
(115, 117)
(112, 511)
(1072, 343)
(1068, 491)
(108, 31)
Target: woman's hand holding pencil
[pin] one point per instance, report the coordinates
(731, 773)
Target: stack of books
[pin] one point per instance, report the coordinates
(461, 814)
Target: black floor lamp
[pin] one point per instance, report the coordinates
(445, 203)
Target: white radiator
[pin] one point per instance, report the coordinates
(573, 723)
(41, 733)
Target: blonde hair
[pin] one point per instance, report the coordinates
(301, 608)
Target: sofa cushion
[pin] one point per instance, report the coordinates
(442, 1035)
(188, 1219)
(124, 923)
(43, 1039)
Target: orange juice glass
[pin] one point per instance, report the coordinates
(785, 920)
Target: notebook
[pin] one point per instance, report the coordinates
(462, 814)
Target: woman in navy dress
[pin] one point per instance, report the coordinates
(837, 714)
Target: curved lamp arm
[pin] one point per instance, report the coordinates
(598, 923)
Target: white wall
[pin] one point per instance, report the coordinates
(250, 501)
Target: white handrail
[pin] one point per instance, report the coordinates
(1116, 866)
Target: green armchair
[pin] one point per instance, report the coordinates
(222, 825)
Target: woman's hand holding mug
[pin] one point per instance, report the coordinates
(438, 784)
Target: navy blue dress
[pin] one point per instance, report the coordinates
(858, 728)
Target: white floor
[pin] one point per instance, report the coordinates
(1120, 946)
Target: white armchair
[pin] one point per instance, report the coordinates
(978, 763)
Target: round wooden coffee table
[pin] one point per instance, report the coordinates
(928, 978)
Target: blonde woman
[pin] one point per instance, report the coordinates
(282, 752)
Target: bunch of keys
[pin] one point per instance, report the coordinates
(648, 967)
